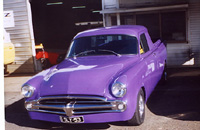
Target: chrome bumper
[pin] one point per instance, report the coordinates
(75, 105)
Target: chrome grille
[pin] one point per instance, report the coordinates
(74, 105)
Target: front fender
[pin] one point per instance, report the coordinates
(134, 83)
(133, 78)
(35, 82)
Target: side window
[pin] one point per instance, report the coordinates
(144, 47)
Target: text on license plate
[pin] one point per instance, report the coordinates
(71, 119)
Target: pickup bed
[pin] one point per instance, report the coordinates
(107, 75)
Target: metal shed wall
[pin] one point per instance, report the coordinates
(133, 3)
(178, 53)
(20, 37)
(194, 30)
(110, 4)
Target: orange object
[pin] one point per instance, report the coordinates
(51, 56)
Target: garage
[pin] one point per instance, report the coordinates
(49, 23)
(175, 22)
(54, 23)
(40, 27)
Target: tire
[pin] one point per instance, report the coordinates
(139, 115)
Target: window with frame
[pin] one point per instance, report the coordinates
(151, 22)
(169, 26)
(127, 19)
(144, 47)
(173, 25)
(113, 20)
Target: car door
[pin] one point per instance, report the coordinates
(149, 59)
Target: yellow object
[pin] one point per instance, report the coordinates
(9, 53)
(141, 50)
(39, 46)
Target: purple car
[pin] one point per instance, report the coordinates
(107, 76)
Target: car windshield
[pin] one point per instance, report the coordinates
(103, 45)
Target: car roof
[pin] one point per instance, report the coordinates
(122, 29)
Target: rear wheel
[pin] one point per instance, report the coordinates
(139, 114)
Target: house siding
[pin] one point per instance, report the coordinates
(194, 30)
(178, 53)
(20, 37)
(140, 3)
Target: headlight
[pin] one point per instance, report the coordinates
(118, 89)
(27, 91)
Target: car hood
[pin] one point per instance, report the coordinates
(85, 75)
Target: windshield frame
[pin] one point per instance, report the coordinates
(72, 42)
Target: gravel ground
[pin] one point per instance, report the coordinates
(174, 106)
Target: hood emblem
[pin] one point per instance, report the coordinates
(47, 77)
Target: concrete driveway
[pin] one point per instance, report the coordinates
(173, 106)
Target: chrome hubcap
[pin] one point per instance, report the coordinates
(141, 106)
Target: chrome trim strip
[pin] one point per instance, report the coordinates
(91, 106)
(77, 113)
(95, 102)
(72, 97)
(58, 107)
(46, 111)
(93, 112)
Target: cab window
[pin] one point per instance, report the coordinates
(144, 47)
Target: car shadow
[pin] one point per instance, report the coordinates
(17, 114)
(179, 98)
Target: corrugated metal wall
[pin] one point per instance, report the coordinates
(132, 3)
(109, 4)
(20, 37)
(178, 53)
(194, 30)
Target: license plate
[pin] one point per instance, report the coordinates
(79, 119)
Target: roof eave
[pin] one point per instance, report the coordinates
(110, 11)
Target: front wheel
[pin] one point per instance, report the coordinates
(139, 114)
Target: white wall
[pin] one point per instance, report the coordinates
(132, 3)
(194, 29)
(20, 36)
(178, 53)
(110, 4)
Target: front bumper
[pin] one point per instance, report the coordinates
(71, 106)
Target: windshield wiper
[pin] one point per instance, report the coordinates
(84, 52)
(110, 52)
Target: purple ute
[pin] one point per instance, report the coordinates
(107, 76)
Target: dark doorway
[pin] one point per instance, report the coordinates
(56, 22)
